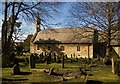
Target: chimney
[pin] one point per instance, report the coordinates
(37, 23)
(95, 43)
(95, 36)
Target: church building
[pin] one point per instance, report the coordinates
(76, 42)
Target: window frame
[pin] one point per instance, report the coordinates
(78, 48)
(38, 47)
(62, 48)
(48, 47)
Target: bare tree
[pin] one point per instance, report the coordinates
(104, 16)
(26, 10)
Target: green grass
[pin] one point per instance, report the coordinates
(103, 74)
(59, 65)
(100, 73)
(36, 76)
(44, 65)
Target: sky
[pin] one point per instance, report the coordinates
(66, 0)
(1, 17)
(28, 28)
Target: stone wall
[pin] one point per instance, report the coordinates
(32, 48)
(69, 49)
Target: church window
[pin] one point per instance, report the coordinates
(38, 47)
(78, 48)
(62, 48)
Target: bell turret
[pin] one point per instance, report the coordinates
(37, 23)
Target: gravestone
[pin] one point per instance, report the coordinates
(62, 61)
(89, 60)
(85, 60)
(48, 59)
(12, 57)
(45, 56)
(54, 57)
(66, 56)
(16, 69)
(114, 68)
(76, 58)
(71, 55)
(27, 61)
(74, 55)
(32, 61)
(59, 60)
(71, 58)
(50, 56)
(40, 58)
(51, 71)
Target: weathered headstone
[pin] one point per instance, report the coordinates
(40, 58)
(32, 61)
(59, 60)
(48, 59)
(54, 57)
(114, 68)
(62, 61)
(12, 56)
(85, 60)
(88, 60)
(45, 56)
(76, 58)
(71, 58)
(16, 69)
(50, 56)
(71, 55)
(66, 56)
(74, 55)
(51, 72)
(27, 61)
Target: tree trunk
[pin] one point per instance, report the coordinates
(5, 58)
(109, 29)
(7, 31)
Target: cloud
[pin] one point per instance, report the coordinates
(22, 38)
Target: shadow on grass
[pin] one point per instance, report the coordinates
(23, 73)
(57, 74)
(93, 82)
(6, 79)
(90, 74)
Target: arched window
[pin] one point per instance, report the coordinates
(38, 47)
(78, 48)
(62, 48)
(48, 47)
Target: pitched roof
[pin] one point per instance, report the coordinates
(64, 35)
(71, 35)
